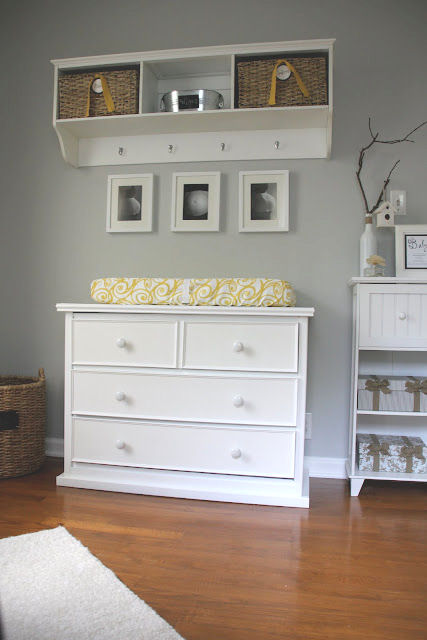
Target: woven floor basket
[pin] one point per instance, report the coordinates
(254, 79)
(22, 424)
(73, 93)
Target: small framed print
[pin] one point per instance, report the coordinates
(130, 203)
(263, 201)
(411, 250)
(195, 201)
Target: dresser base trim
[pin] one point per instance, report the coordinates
(196, 486)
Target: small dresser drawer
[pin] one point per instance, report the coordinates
(146, 343)
(240, 451)
(393, 316)
(210, 398)
(241, 346)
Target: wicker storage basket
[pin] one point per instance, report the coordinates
(74, 92)
(255, 79)
(22, 424)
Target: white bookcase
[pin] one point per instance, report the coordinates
(230, 133)
(389, 339)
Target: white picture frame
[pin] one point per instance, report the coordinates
(192, 210)
(411, 250)
(264, 201)
(130, 203)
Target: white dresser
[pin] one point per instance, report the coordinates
(389, 340)
(192, 402)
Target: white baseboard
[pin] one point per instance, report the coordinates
(318, 467)
(55, 447)
(326, 467)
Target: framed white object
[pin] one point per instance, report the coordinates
(195, 201)
(264, 201)
(411, 250)
(130, 203)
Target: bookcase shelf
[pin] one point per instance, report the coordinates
(386, 347)
(406, 414)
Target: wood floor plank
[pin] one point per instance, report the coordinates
(347, 569)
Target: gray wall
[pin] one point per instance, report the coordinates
(52, 216)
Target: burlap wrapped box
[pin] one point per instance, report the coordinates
(398, 454)
(406, 394)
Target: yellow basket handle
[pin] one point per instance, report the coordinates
(303, 88)
(41, 374)
(105, 92)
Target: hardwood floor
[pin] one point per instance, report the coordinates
(348, 568)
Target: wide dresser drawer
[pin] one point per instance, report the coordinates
(393, 316)
(133, 342)
(240, 450)
(254, 346)
(187, 397)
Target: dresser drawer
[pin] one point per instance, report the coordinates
(241, 346)
(210, 398)
(147, 343)
(241, 451)
(393, 316)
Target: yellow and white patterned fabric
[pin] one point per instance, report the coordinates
(226, 292)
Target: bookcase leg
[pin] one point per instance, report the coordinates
(355, 486)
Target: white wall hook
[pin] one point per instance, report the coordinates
(276, 144)
(171, 148)
(121, 151)
(222, 146)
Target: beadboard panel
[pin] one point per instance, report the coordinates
(393, 316)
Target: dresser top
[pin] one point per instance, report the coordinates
(186, 310)
(385, 280)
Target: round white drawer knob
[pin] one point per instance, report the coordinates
(120, 396)
(238, 401)
(120, 444)
(402, 315)
(121, 343)
(238, 346)
(236, 453)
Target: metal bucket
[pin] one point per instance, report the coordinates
(195, 100)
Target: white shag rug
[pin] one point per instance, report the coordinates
(53, 588)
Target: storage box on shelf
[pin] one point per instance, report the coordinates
(195, 402)
(396, 454)
(293, 128)
(399, 394)
(282, 80)
(98, 92)
(389, 371)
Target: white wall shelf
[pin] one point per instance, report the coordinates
(226, 134)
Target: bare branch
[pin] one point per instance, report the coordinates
(375, 139)
(361, 159)
(405, 138)
(360, 183)
(370, 129)
(385, 185)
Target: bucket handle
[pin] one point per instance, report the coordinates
(300, 83)
(105, 92)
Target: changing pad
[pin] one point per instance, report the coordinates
(237, 292)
